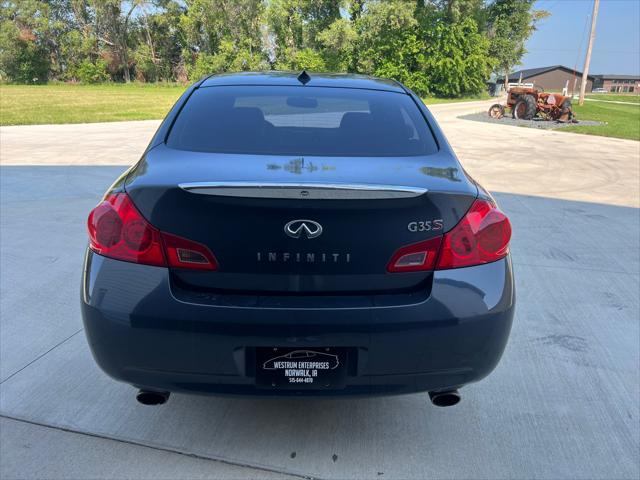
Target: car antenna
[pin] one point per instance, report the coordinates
(304, 77)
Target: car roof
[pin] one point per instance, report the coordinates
(277, 78)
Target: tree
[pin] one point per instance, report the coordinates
(337, 44)
(456, 60)
(510, 24)
(78, 43)
(113, 19)
(224, 28)
(295, 25)
(388, 43)
(159, 41)
(24, 56)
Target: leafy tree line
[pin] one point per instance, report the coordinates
(441, 47)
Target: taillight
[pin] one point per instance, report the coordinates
(118, 230)
(416, 257)
(482, 236)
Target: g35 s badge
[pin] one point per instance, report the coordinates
(426, 225)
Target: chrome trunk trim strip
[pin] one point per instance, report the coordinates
(311, 191)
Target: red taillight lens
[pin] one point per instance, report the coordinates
(415, 257)
(482, 236)
(183, 253)
(118, 230)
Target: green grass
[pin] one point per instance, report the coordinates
(621, 121)
(64, 103)
(612, 97)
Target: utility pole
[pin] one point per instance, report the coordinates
(587, 58)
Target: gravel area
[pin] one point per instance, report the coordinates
(535, 123)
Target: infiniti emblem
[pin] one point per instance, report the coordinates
(303, 228)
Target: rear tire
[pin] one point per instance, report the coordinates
(566, 114)
(525, 108)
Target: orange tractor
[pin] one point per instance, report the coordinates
(529, 102)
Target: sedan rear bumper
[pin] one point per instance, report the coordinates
(145, 331)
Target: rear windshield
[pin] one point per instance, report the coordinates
(271, 120)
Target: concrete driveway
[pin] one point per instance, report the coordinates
(563, 403)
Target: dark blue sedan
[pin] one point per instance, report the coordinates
(289, 234)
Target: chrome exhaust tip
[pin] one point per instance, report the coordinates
(448, 398)
(148, 397)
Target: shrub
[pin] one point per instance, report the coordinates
(227, 58)
(206, 64)
(307, 59)
(88, 72)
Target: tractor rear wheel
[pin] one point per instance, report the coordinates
(525, 108)
(567, 111)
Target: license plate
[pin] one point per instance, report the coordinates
(301, 368)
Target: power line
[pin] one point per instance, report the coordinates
(584, 30)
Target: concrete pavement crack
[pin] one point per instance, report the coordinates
(160, 448)
(41, 355)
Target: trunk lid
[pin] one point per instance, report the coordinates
(261, 216)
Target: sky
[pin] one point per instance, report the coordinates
(562, 38)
